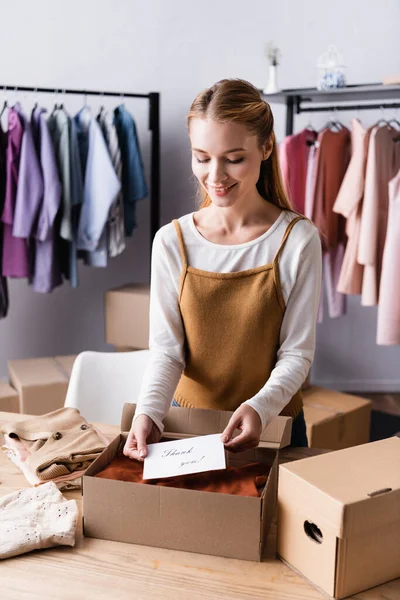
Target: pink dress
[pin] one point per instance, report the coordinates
(349, 204)
(389, 292)
(383, 163)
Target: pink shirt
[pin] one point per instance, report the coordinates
(293, 156)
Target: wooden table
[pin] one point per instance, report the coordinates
(99, 569)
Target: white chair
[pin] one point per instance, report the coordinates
(101, 383)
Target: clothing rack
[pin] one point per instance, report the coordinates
(298, 100)
(154, 127)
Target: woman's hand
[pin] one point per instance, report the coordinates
(247, 420)
(143, 431)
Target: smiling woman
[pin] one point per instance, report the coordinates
(235, 285)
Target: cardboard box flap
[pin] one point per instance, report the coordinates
(199, 421)
(349, 491)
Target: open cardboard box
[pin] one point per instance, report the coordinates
(339, 517)
(183, 519)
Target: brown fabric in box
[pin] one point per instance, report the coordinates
(248, 480)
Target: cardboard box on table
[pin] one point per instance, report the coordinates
(127, 317)
(339, 517)
(184, 519)
(336, 420)
(41, 383)
(9, 401)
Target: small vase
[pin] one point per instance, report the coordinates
(272, 85)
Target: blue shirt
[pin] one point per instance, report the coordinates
(134, 185)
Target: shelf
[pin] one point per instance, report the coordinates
(300, 100)
(372, 91)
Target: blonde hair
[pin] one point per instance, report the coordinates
(238, 101)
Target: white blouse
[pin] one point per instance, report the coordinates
(300, 267)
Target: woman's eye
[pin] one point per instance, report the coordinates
(232, 162)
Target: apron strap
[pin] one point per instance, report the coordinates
(276, 262)
(285, 237)
(181, 244)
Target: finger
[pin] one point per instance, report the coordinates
(130, 446)
(233, 424)
(244, 438)
(141, 444)
(237, 449)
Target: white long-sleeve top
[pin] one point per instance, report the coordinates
(300, 275)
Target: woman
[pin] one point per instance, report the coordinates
(235, 286)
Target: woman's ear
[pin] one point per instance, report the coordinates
(267, 149)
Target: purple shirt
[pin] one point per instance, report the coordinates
(15, 250)
(47, 273)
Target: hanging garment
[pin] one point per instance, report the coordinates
(15, 250)
(4, 301)
(332, 162)
(383, 163)
(293, 155)
(59, 132)
(30, 189)
(134, 186)
(332, 157)
(115, 223)
(309, 201)
(46, 272)
(77, 171)
(349, 204)
(389, 294)
(101, 186)
(32, 519)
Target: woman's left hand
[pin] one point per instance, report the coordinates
(247, 420)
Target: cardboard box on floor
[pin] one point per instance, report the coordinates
(180, 519)
(126, 311)
(339, 517)
(336, 420)
(9, 401)
(41, 383)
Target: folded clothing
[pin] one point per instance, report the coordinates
(58, 444)
(247, 480)
(36, 518)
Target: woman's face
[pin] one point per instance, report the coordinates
(226, 160)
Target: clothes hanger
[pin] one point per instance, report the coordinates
(332, 124)
(5, 104)
(102, 109)
(394, 122)
(382, 121)
(55, 108)
(61, 106)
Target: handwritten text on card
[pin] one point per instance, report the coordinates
(180, 457)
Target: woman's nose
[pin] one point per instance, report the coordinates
(216, 173)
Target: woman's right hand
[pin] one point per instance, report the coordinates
(143, 431)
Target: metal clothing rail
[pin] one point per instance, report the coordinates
(299, 100)
(154, 127)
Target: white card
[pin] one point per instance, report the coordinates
(180, 457)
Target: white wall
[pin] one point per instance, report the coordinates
(178, 48)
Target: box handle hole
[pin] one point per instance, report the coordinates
(313, 532)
